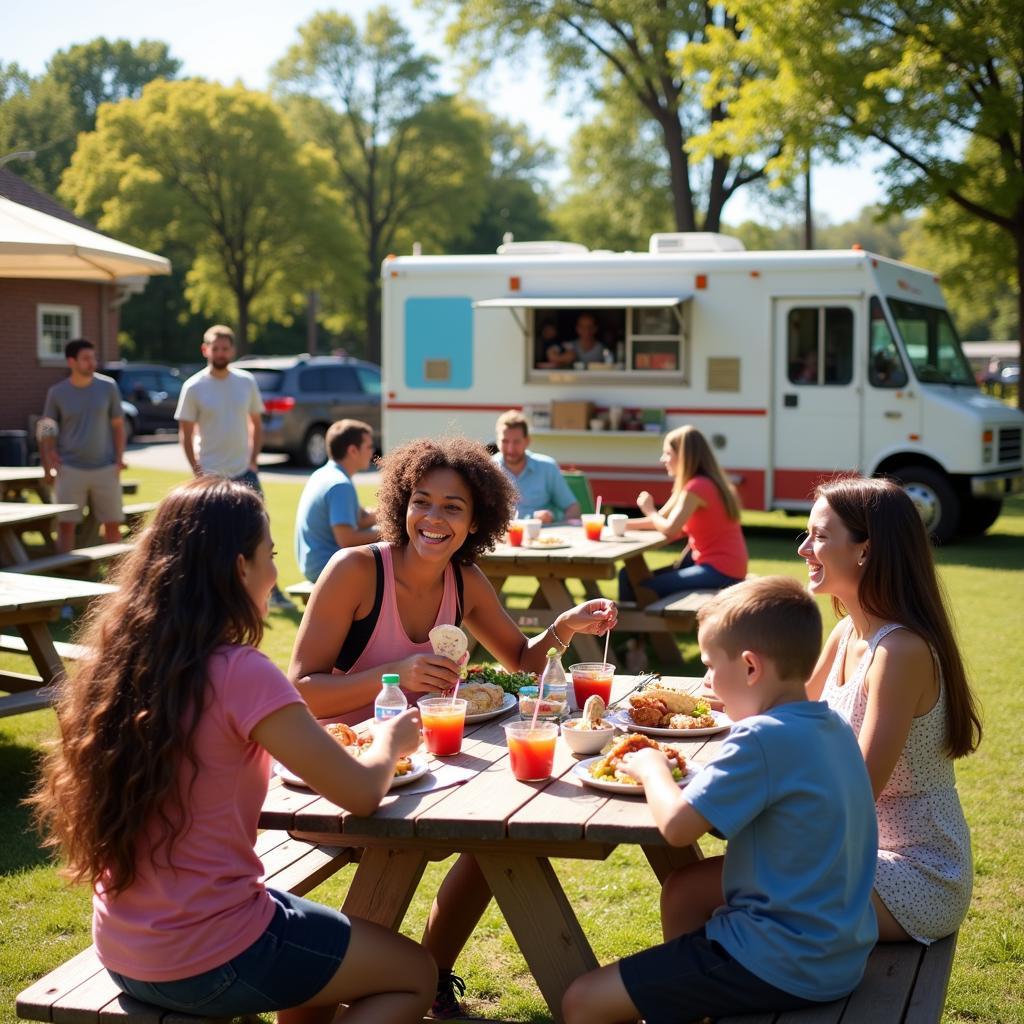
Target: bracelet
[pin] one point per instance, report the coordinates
(557, 638)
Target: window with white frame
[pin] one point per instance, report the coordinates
(56, 326)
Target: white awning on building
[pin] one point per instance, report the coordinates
(36, 245)
(584, 302)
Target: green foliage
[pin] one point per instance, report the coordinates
(47, 113)
(214, 169)
(409, 162)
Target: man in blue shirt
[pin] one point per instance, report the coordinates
(543, 492)
(329, 516)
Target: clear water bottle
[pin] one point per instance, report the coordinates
(553, 684)
(390, 701)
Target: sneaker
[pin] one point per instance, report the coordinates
(281, 602)
(446, 1003)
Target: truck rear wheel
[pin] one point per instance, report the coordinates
(978, 515)
(935, 498)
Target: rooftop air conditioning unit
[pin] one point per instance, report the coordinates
(694, 241)
(540, 248)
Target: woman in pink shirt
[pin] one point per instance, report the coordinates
(153, 796)
(440, 504)
(704, 506)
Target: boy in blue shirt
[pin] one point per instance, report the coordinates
(784, 920)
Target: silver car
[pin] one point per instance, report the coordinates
(303, 395)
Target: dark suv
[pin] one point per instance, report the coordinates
(152, 389)
(304, 395)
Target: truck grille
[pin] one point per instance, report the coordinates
(1009, 444)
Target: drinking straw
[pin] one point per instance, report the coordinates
(536, 707)
(607, 637)
(597, 507)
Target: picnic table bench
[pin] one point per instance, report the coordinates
(80, 991)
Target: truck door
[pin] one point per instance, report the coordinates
(816, 395)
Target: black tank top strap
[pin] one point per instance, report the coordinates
(362, 629)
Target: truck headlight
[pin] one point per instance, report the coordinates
(987, 446)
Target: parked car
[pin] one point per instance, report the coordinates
(304, 395)
(153, 391)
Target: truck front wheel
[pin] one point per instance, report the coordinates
(935, 498)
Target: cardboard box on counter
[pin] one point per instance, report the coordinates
(571, 415)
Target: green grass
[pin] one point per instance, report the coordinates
(43, 923)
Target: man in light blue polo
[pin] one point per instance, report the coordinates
(329, 515)
(543, 492)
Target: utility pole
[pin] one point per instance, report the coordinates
(808, 212)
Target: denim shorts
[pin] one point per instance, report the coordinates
(291, 962)
(692, 977)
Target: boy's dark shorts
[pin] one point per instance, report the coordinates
(692, 977)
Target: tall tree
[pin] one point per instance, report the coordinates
(215, 169)
(46, 114)
(940, 86)
(408, 160)
(626, 45)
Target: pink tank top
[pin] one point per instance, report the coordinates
(389, 640)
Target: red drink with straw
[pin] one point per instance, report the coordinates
(590, 677)
(531, 749)
(444, 720)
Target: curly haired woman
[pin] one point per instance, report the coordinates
(441, 503)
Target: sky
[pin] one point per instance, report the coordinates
(230, 40)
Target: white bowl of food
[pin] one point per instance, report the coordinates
(587, 734)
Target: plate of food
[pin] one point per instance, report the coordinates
(408, 769)
(549, 542)
(510, 682)
(603, 772)
(663, 710)
(506, 702)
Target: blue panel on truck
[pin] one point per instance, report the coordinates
(439, 343)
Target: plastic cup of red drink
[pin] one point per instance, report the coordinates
(531, 749)
(443, 721)
(515, 532)
(593, 524)
(590, 677)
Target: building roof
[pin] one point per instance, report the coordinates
(18, 191)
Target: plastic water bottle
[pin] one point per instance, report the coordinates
(390, 701)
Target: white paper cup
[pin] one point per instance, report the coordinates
(617, 521)
(532, 528)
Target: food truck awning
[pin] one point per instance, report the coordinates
(584, 301)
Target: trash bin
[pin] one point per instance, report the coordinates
(13, 447)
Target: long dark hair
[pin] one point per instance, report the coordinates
(128, 714)
(900, 584)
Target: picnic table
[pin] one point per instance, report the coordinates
(18, 481)
(514, 829)
(28, 603)
(585, 561)
(18, 516)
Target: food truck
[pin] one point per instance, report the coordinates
(796, 366)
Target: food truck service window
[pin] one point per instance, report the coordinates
(573, 339)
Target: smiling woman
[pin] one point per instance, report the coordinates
(441, 503)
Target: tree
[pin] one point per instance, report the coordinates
(409, 161)
(46, 114)
(214, 169)
(613, 46)
(938, 85)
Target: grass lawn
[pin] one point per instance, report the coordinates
(43, 923)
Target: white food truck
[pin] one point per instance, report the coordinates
(795, 365)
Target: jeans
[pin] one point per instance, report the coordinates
(670, 580)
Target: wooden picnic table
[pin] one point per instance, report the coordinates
(514, 829)
(17, 481)
(28, 603)
(18, 516)
(586, 561)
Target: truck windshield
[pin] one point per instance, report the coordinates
(931, 343)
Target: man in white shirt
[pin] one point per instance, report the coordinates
(225, 404)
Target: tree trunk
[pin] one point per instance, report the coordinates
(372, 307)
(808, 211)
(679, 171)
(242, 328)
(312, 311)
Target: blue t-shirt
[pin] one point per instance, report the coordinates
(540, 485)
(328, 499)
(790, 792)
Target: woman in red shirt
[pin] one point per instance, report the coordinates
(704, 506)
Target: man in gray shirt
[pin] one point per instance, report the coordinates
(225, 404)
(87, 454)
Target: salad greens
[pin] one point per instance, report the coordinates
(510, 682)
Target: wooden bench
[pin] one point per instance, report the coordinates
(15, 645)
(81, 992)
(136, 512)
(77, 562)
(904, 983)
(300, 590)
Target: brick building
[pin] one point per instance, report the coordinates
(59, 279)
